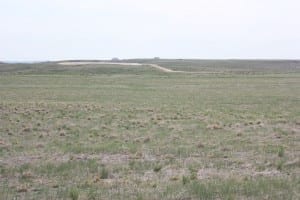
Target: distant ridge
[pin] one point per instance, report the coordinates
(22, 62)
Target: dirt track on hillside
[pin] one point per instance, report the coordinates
(128, 64)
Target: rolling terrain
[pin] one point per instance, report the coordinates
(215, 129)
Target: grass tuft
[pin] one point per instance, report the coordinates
(74, 194)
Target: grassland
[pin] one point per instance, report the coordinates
(134, 132)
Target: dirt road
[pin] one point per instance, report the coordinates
(130, 64)
(98, 63)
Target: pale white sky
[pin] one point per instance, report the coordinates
(99, 29)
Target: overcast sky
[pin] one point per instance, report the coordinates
(99, 29)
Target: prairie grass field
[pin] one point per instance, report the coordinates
(134, 132)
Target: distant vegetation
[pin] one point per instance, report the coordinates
(225, 66)
(115, 59)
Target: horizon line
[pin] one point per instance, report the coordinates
(137, 58)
